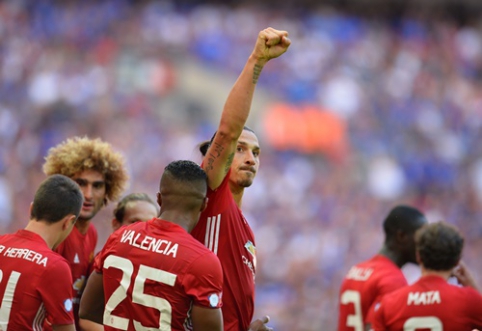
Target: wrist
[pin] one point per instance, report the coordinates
(255, 60)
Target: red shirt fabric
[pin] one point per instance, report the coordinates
(430, 304)
(223, 229)
(34, 282)
(363, 286)
(78, 249)
(153, 273)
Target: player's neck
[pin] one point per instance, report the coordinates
(392, 255)
(82, 225)
(43, 230)
(237, 192)
(183, 219)
(427, 272)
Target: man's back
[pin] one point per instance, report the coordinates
(223, 229)
(364, 285)
(431, 303)
(153, 271)
(34, 282)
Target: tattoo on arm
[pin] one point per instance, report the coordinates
(214, 153)
(218, 148)
(209, 166)
(256, 72)
(229, 161)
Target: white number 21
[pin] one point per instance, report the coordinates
(138, 295)
(7, 299)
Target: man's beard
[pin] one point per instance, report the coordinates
(245, 182)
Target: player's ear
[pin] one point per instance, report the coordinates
(115, 224)
(68, 221)
(417, 257)
(159, 198)
(401, 237)
(204, 204)
(30, 208)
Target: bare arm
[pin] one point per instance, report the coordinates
(270, 44)
(206, 319)
(92, 302)
(86, 325)
(64, 327)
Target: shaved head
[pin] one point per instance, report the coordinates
(183, 185)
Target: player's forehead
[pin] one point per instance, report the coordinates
(140, 206)
(248, 139)
(89, 175)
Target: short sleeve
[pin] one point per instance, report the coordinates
(55, 289)
(100, 258)
(377, 317)
(204, 281)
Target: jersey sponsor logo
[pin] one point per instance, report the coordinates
(68, 305)
(423, 298)
(211, 238)
(76, 258)
(148, 243)
(23, 253)
(214, 300)
(249, 264)
(359, 274)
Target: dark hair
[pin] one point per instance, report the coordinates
(204, 146)
(439, 246)
(402, 218)
(185, 171)
(120, 209)
(56, 197)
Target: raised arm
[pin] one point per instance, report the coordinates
(270, 44)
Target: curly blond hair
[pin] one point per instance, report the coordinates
(77, 154)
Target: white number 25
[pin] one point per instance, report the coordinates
(138, 295)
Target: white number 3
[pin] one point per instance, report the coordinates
(356, 320)
(138, 295)
(415, 323)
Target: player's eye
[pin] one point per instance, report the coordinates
(98, 185)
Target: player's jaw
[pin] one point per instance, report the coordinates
(90, 209)
(245, 176)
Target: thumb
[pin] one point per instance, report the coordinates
(265, 319)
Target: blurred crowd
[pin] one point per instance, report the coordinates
(409, 92)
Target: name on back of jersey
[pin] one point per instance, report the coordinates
(423, 298)
(24, 253)
(148, 243)
(359, 274)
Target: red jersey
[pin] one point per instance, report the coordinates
(363, 286)
(34, 281)
(78, 249)
(223, 229)
(430, 304)
(153, 272)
